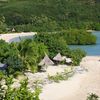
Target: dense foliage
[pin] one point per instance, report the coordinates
(3, 25)
(80, 37)
(77, 55)
(26, 54)
(56, 43)
(93, 96)
(21, 93)
(51, 15)
(71, 37)
(23, 55)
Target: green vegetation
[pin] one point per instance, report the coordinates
(1, 75)
(71, 37)
(77, 55)
(93, 96)
(51, 15)
(21, 93)
(26, 54)
(3, 25)
(56, 43)
(21, 56)
(62, 22)
(61, 76)
(77, 37)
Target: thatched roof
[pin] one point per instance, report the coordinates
(58, 57)
(3, 66)
(46, 61)
(13, 30)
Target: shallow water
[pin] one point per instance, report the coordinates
(91, 50)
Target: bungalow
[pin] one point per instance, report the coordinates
(46, 61)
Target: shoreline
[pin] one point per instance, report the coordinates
(15, 37)
(78, 86)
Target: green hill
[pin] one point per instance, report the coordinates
(50, 15)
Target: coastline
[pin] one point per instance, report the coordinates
(78, 86)
(15, 37)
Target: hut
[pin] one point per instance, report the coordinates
(13, 30)
(58, 58)
(3, 66)
(45, 62)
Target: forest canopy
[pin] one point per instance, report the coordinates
(50, 15)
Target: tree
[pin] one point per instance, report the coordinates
(31, 53)
(93, 96)
(54, 43)
(3, 25)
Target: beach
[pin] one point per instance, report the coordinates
(77, 87)
(16, 37)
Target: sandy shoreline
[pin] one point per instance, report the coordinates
(77, 87)
(14, 37)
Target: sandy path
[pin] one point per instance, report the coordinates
(77, 87)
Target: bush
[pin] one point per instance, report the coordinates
(93, 96)
(15, 63)
(77, 37)
(22, 56)
(77, 56)
(3, 25)
(61, 76)
(22, 93)
(55, 44)
(1, 75)
(31, 53)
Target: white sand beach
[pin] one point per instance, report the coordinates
(78, 86)
(15, 37)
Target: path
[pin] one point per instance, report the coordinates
(77, 87)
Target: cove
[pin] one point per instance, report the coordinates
(91, 50)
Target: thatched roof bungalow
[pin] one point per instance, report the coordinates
(46, 61)
(58, 57)
(13, 30)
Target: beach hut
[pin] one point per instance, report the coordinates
(13, 30)
(58, 58)
(46, 61)
(3, 66)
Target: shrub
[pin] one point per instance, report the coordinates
(2, 75)
(77, 56)
(61, 76)
(22, 93)
(55, 44)
(79, 37)
(93, 96)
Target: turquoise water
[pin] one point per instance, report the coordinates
(91, 50)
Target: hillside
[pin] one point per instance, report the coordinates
(50, 15)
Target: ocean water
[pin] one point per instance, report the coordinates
(91, 50)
